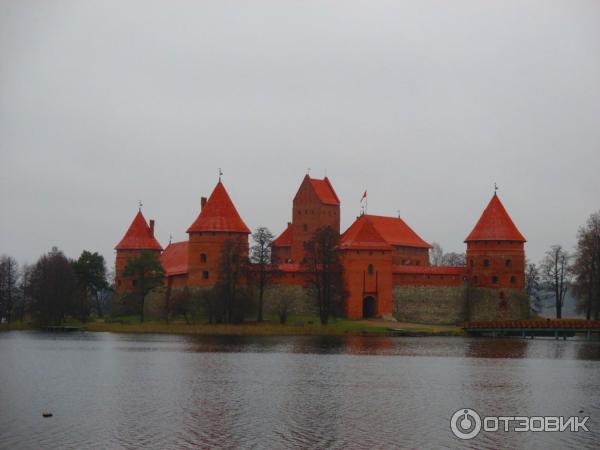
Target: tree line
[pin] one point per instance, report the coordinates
(57, 288)
(562, 270)
(53, 288)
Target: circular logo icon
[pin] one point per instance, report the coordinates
(465, 423)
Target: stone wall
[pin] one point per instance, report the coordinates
(457, 304)
(497, 304)
(295, 298)
(430, 304)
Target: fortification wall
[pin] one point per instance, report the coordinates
(430, 304)
(457, 304)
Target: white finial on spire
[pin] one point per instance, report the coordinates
(170, 238)
(140, 204)
(220, 174)
(308, 171)
(495, 188)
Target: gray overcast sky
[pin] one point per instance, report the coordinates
(426, 103)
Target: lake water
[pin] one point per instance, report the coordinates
(174, 392)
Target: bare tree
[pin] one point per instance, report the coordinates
(454, 259)
(9, 287)
(260, 255)
(232, 286)
(586, 267)
(325, 272)
(436, 254)
(556, 275)
(533, 287)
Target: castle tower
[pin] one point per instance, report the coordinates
(315, 205)
(217, 222)
(139, 237)
(367, 260)
(495, 250)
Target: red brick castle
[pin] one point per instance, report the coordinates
(386, 264)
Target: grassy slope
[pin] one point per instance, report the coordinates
(297, 325)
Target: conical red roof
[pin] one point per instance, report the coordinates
(138, 236)
(362, 235)
(219, 214)
(495, 225)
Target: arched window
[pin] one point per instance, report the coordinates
(203, 257)
(494, 279)
(370, 269)
(486, 263)
(205, 274)
(305, 227)
(508, 262)
(513, 279)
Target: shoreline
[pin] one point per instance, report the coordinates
(336, 328)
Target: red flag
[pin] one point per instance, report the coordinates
(363, 196)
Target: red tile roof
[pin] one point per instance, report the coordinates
(362, 235)
(495, 225)
(393, 230)
(324, 191)
(175, 258)
(138, 236)
(219, 214)
(430, 270)
(285, 238)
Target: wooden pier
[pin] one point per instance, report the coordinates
(557, 328)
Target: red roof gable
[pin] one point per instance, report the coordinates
(175, 258)
(324, 191)
(395, 231)
(495, 225)
(285, 238)
(219, 214)
(362, 235)
(138, 236)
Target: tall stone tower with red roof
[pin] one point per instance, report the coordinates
(315, 205)
(217, 222)
(495, 250)
(139, 237)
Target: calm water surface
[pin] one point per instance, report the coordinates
(174, 392)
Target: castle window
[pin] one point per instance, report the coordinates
(119, 283)
(472, 263)
(305, 227)
(475, 280)
(370, 269)
(205, 274)
(486, 263)
(494, 279)
(418, 262)
(508, 263)
(203, 257)
(513, 279)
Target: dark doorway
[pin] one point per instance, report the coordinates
(368, 307)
